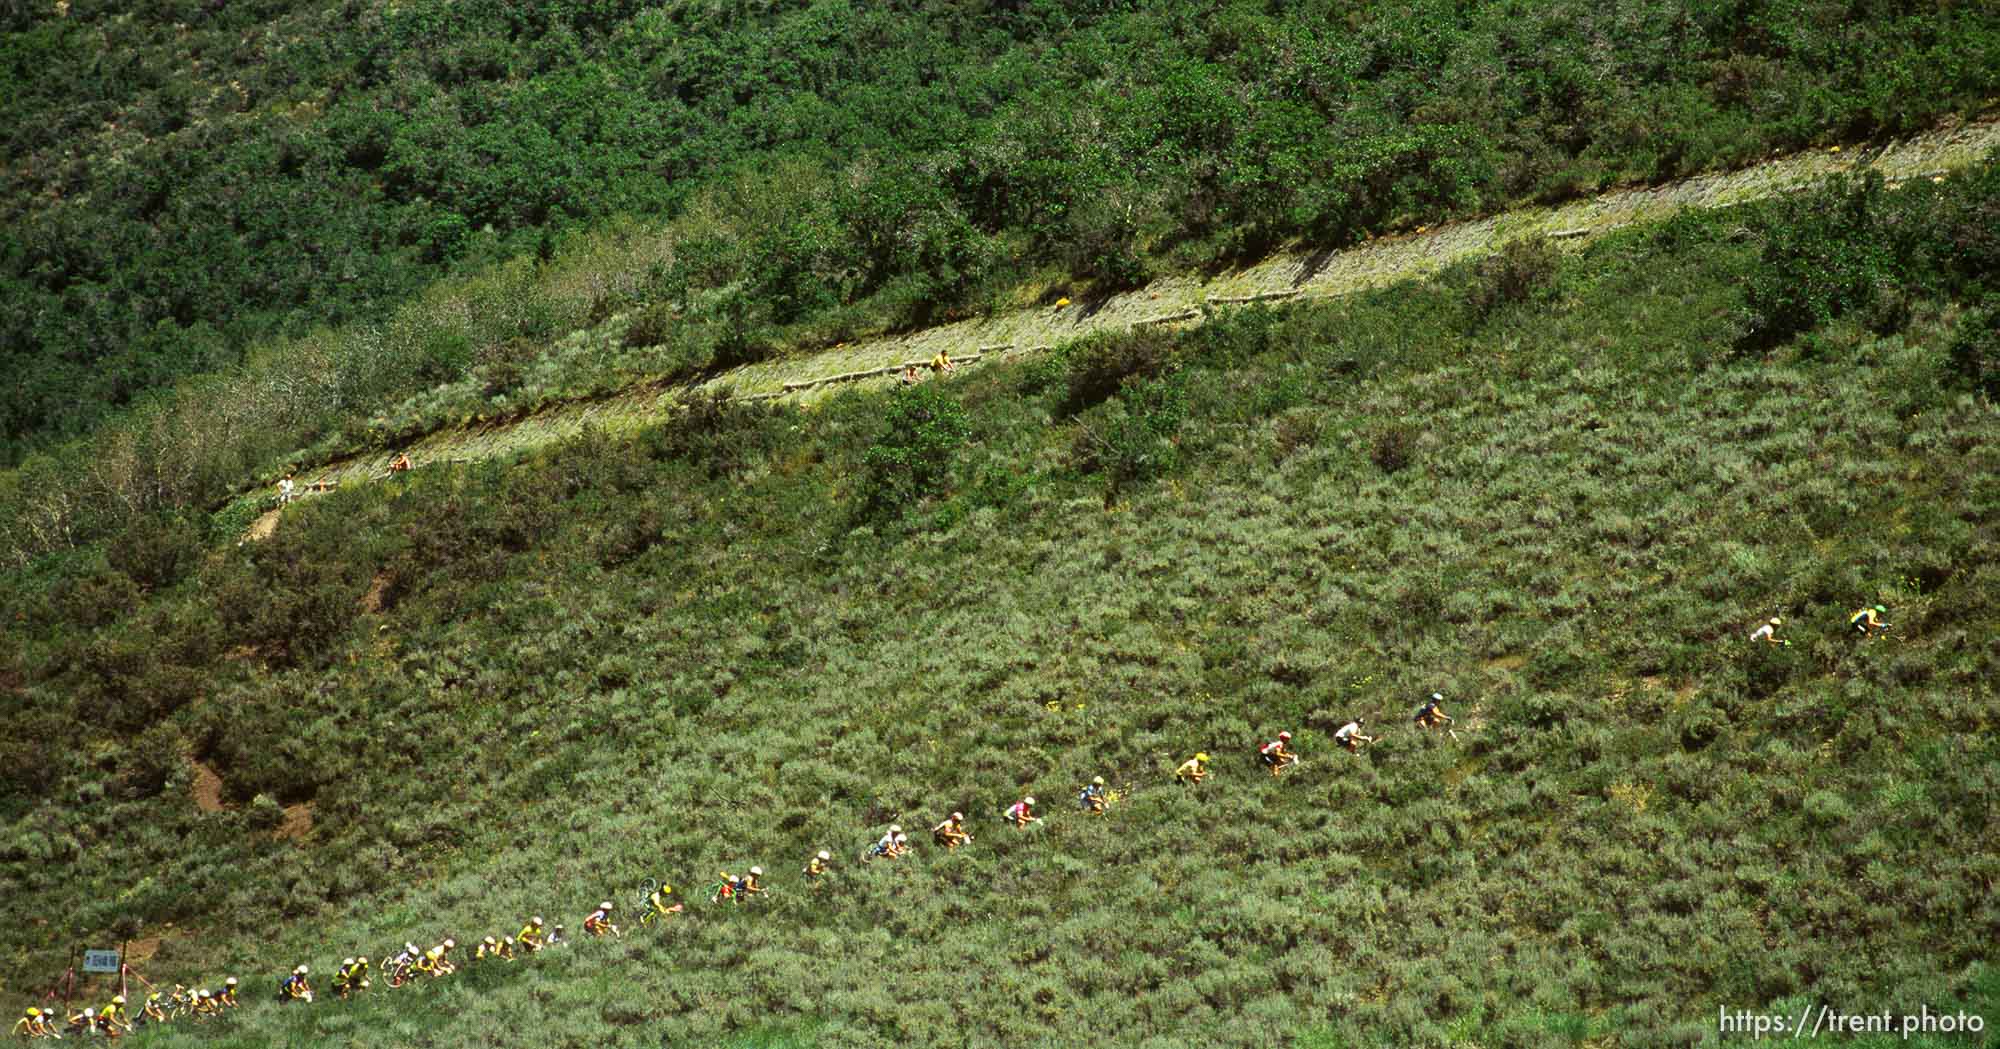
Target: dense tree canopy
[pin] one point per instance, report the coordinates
(184, 179)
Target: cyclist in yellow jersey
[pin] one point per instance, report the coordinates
(819, 864)
(1868, 619)
(657, 907)
(30, 1023)
(1193, 770)
(951, 833)
(530, 935)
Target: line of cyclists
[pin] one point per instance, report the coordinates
(412, 963)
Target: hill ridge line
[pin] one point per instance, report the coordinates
(1185, 300)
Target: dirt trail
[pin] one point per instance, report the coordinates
(1187, 300)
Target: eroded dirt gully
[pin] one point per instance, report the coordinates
(1188, 300)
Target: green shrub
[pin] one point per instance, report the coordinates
(154, 549)
(1135, 436)
(1973, 360)
(1523, 271)
(913, 459)
(1099, 366)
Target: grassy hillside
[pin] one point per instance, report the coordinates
(1559, 490)
(185, 182)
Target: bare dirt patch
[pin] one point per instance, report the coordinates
(371, 602)
(1507, 664)
(262, 527)
(138, 951)
(298, 822)
(207, 788)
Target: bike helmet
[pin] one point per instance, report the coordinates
(33, 1012)
(346, 961)
(1775, 621)
(1202, 757)
(301, 970)
(1439, 696)
(957, 816)
(825, 855)
(895, 829)
(231, 982)
(1097, 781)
(88, 1013)
(117, 999)
(537, 920)
(605, 906)
(1029, 800)
(363, 959)
(1284, 736)
(756, 872)
(1882, 610)
(491, 942)
(901, 838)
(450, 943)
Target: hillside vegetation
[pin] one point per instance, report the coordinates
(1558, 489)
(187, 183)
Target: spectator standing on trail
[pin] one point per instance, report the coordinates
(285, 488)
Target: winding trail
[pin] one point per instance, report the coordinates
(1185, 301)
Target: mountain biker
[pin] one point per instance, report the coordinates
(751, 884)
(656, 902)
(83, 1022)
(507, 952)
(153, 1011)
(818, 865)
(556, 938)
(112, 1016)
(1193, 770)
(295, 988)
(28, 1026)
(1022, 812)
(228, 995)
(599, 921)
(951, 833)
(1275, 756)
(1866, 619)
(351, 976)
(206, 1006)
(487, 946)
(1350, 735)
(435, 961)
(1769, 632)
(531, 933)
(941, 363)
(1431, 715)
(886, 846)
(1092, 798)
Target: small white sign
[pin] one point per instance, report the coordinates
(100, 961)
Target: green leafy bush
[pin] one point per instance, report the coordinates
(923, 431)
